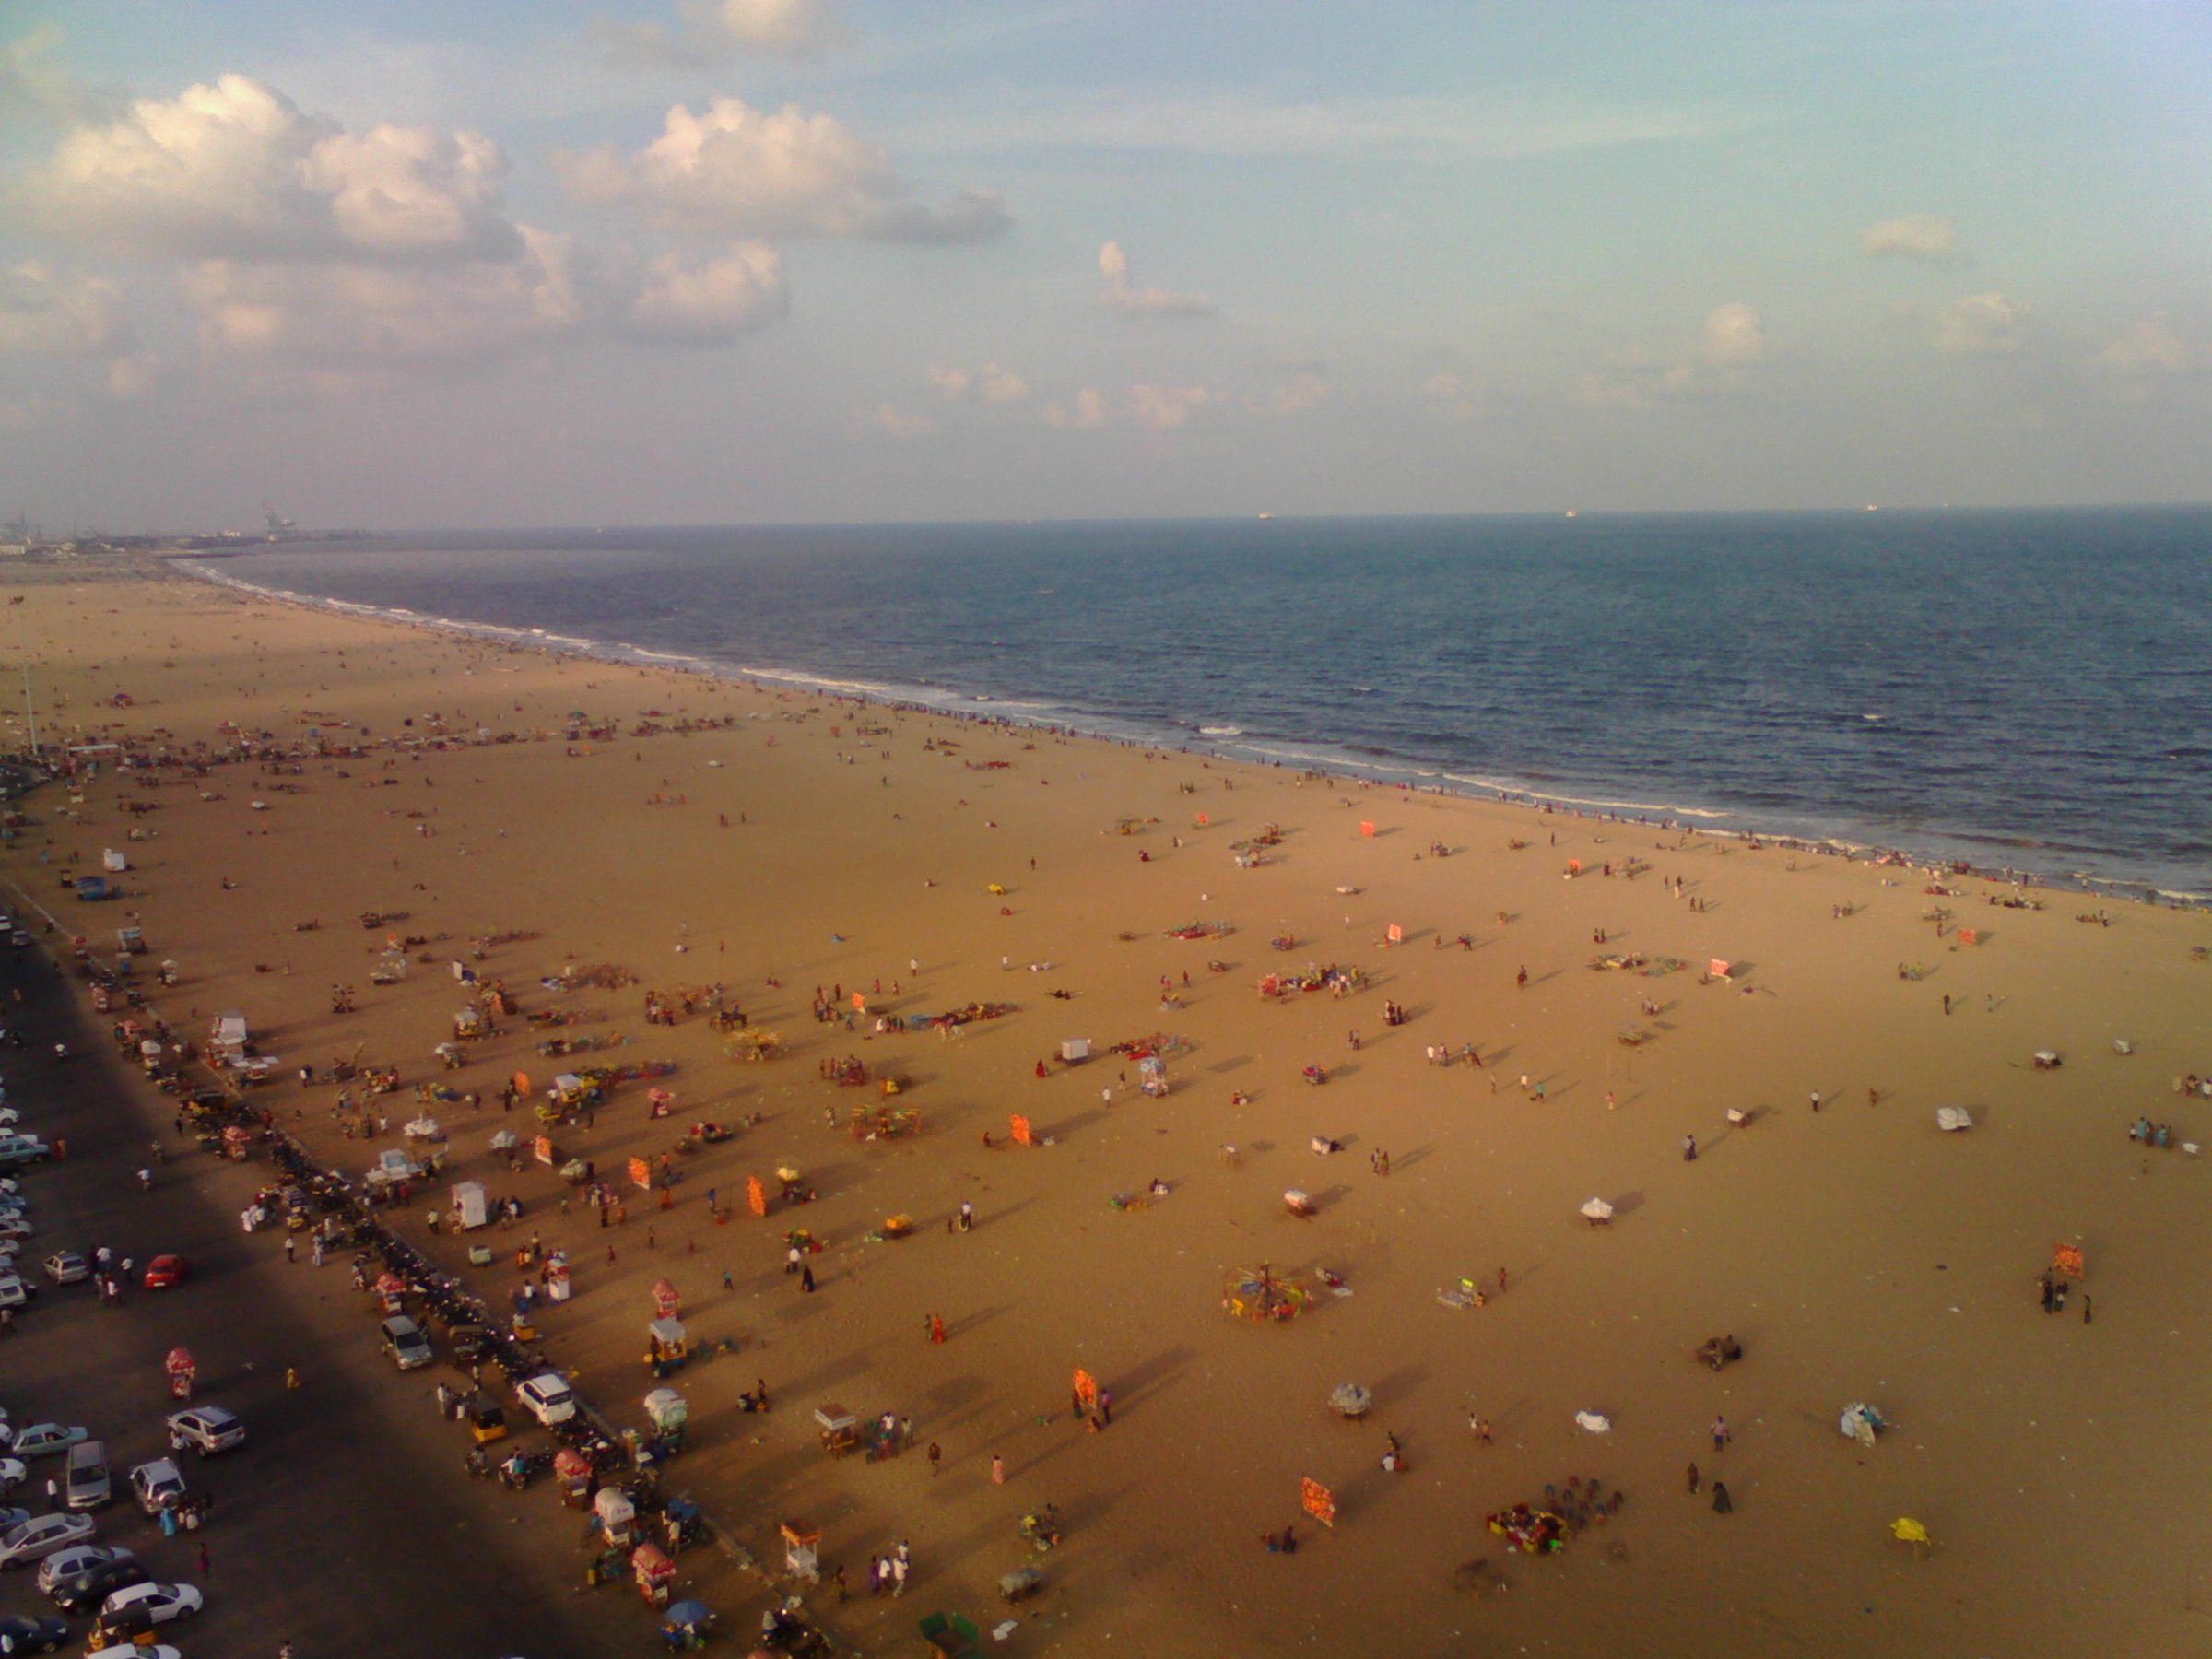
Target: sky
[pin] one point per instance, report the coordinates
(406, 265)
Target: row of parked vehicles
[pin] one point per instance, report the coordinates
(128, 1606)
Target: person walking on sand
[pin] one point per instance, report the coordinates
(806, 1279)
(1689, 1149)
(791, 1259)
(1722, 1434)
(1722, 1503)
(1694, 1479)
(936, 1456)
(936, 1328)
(998, 1470)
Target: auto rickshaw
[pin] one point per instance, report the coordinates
(486, 1419)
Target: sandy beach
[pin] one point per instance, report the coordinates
(697, 833)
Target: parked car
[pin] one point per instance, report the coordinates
(404, 1340)
(12, 1471)
(86, 1484)
(79, 1558)
(66, 1267)
(161, 1603)
(44, 1439)
(165, 1271)
(12, 1516)
(22, 1149)
(14, 1292)
(82, 1592)
(206, 1429)
(157, 1485)
(42, 1536)
(548, 1399)
(37, 1634)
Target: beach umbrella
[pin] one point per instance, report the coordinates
(689, 1616)
(1595, 1423)
(505, 1140)
(1598, 1211)
(1350, 1400)
(1906, 1530)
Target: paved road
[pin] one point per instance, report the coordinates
(345, 1522)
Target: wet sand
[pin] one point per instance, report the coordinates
(1856, 1253)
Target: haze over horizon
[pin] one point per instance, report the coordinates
(706, 261)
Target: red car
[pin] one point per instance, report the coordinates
(164, 1271)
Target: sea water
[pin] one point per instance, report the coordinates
(2026, 689)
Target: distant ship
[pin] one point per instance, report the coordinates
(1573, 513)
(1265, 516)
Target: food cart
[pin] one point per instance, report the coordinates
(238, 1142)
(572, 1475)
(668, 1413)
(558, 1288)
(181, 1372)
(839, 1428)
(802, 1550)
(470, 1208)
(614, 1517)
(667, 1346)
(655, 1572)
(390, 1288)
(666, 1303)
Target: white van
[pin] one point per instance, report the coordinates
(549, 1397)
(84, 1484)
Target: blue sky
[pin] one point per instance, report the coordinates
(701, 261)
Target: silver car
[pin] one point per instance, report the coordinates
(79, 1558)
(42, 1536)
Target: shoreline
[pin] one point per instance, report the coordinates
(1410, 776)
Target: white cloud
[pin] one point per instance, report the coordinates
(392, 315)
(33, 88)
(58, 314)
(2152, 347)
(133, 376)
(1088, 412)
(1447, 129)
(1154, 407)
(1306, 390)
(991, 384)
(1915, 236)
(710, 31)
(1981, 325)
(744, 172)
(1163, 409)
(1123, 297)
(235, 171)
(1735, 333)
(1452, 393)
(709, 302)
(893, 423)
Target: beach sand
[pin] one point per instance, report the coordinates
(1855, 1253)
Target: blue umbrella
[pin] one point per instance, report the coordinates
(689, 1615)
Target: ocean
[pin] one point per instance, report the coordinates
(2019, 690)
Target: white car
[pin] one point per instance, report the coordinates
(66, 1267)
(42, 1536)
(160, 1602)
(79, 1558)
(548, 1398)
(157, 1485)
(12, 1471)
(14, 1292)
(205, 1428)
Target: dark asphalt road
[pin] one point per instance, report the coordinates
(345, 1522)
